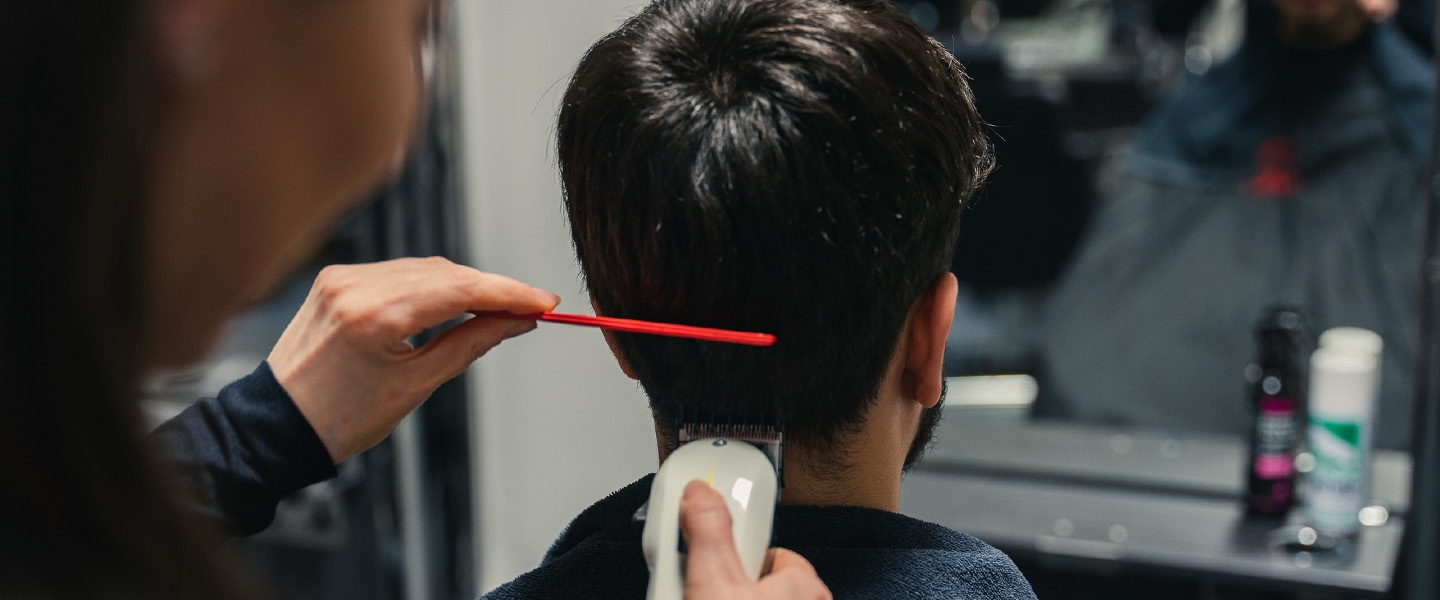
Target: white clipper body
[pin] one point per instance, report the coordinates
(742, 475)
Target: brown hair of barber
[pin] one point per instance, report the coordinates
(86, 513)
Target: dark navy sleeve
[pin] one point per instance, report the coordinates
(237, 455)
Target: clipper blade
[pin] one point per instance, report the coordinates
(765, 433)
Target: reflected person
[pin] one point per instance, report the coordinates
(1289, 174)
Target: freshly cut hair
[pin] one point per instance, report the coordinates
(796, 167)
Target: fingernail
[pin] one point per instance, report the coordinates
(692, 490)
(546, 297)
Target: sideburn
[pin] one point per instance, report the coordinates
(925, 433)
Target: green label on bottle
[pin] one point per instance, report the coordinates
(1335, 489)
(1347, 431)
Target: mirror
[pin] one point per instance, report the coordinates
(1168, 173)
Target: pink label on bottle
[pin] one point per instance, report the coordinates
(1274, 466)
(1275, 406)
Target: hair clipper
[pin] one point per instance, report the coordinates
(743, 463)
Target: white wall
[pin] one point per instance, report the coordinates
(557, 425)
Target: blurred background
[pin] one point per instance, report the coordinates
(1168, 171)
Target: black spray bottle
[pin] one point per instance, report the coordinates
(1278, 400)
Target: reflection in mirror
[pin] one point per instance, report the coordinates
(1189, 193)
(1155, 196)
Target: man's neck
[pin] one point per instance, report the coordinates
(862, 471)
(857, 481)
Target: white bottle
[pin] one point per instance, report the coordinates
(1344, 383)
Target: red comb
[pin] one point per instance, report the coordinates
(635, 326)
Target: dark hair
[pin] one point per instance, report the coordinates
(87, 514)
(796, 167)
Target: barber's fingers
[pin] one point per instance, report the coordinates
(463, 289)
(713, 571)
(395, 299)
(792, 577)
(451, 352)
(705, 521)
(780, 559)
(345, 358)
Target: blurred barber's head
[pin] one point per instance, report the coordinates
(272, 117)
(797, 167)
(162, 162)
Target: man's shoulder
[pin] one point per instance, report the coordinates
(593, 569)
(858, 553)
(597, 556)
(867, 553)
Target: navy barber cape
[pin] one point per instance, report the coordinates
(858, 553)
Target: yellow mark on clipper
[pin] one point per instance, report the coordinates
(710, 480)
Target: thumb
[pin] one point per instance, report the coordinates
(451, 352)
(780, 559)
(791, 576)
(705, 521)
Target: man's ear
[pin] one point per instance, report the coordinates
(615, 349)
(619, 356)
(925, 334)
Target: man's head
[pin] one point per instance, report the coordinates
(796, 167)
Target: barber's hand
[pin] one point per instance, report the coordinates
(345, 360)
(712, 570)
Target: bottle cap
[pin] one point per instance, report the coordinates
(1352, 339)
(1344, 372)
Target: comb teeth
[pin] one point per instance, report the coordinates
(765, 433)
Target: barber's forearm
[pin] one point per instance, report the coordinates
(237, 455)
